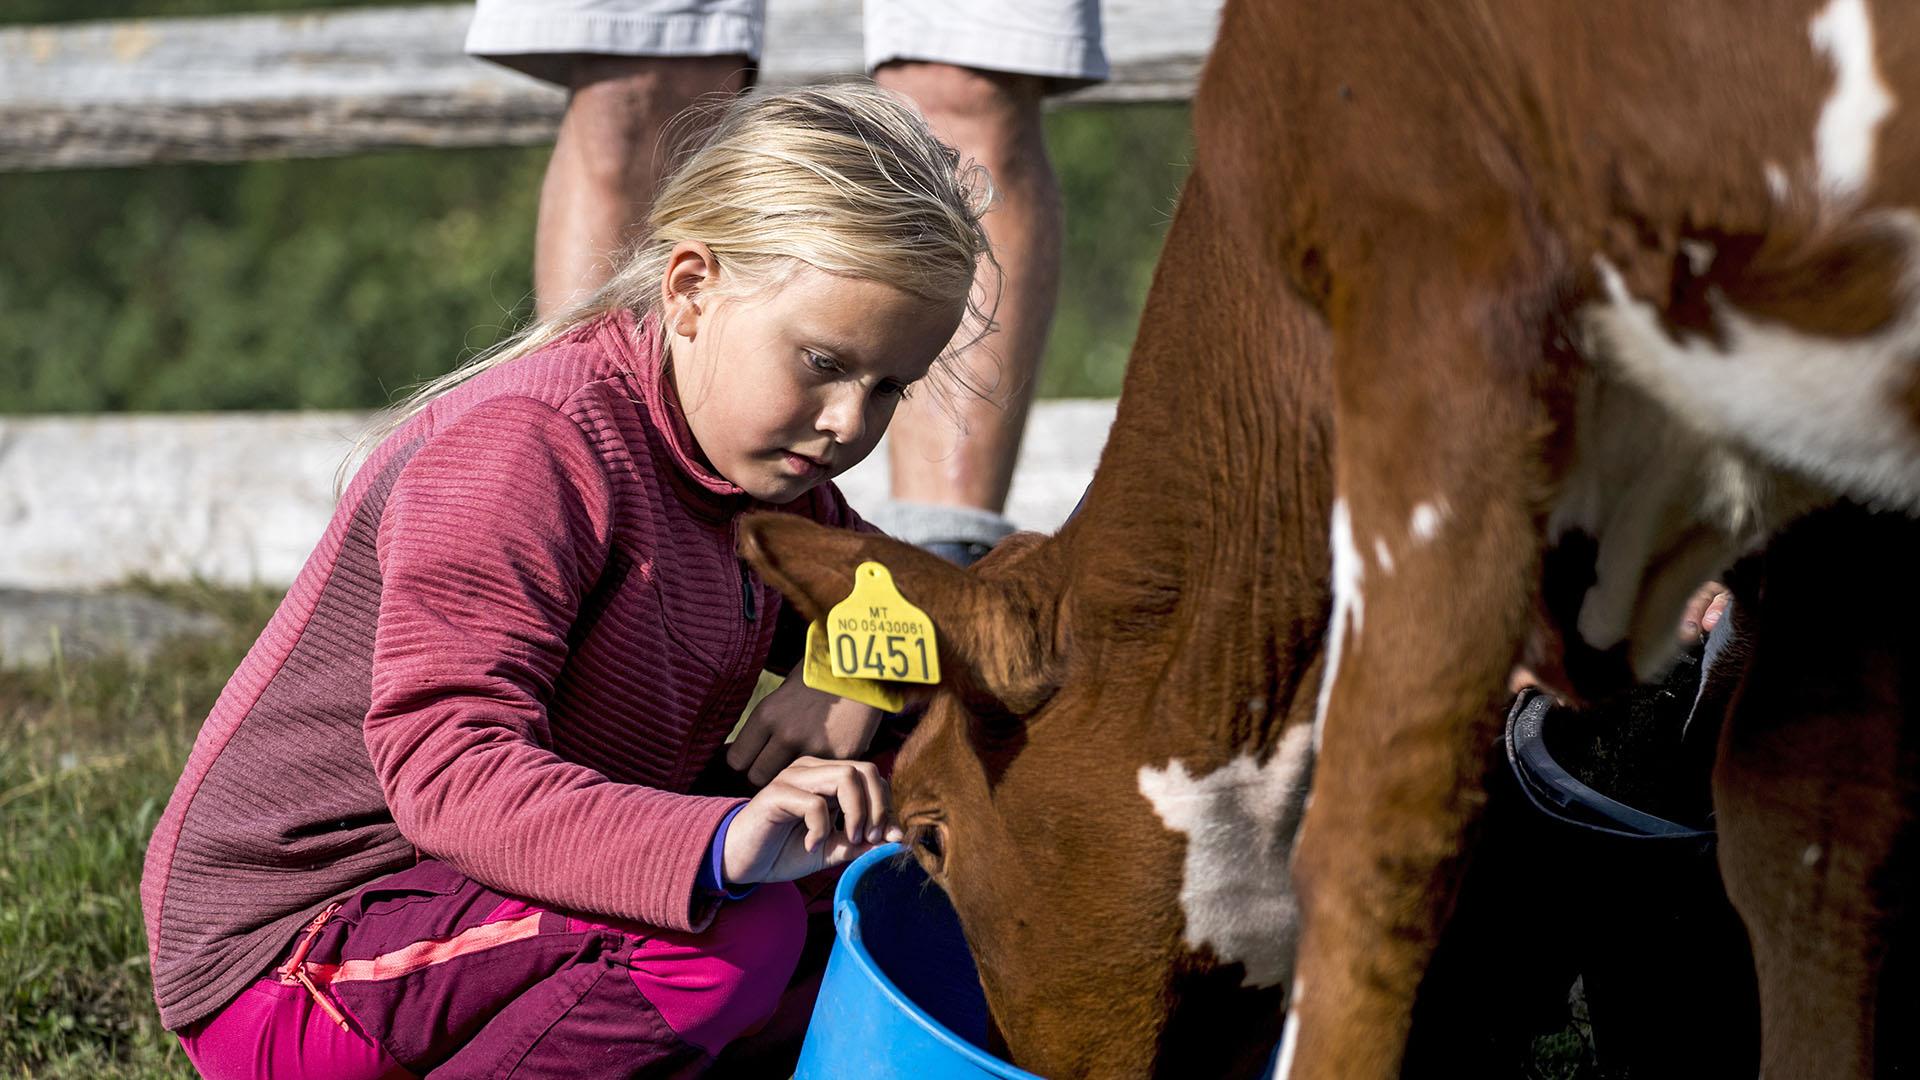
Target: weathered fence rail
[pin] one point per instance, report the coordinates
(318, 84)
(239, 498)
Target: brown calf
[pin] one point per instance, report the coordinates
(1366, 409)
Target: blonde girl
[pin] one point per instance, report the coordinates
(443, 818)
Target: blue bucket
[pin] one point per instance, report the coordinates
(900, 997)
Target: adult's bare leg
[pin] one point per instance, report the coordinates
(608, 159)
(960, 453)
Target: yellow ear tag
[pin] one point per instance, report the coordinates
(876, 634)
(817, 671)
(871, 638)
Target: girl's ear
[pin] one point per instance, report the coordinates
(995, 636)
(691, 273)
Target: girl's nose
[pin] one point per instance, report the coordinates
(845, 415)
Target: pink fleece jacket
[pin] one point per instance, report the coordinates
(522, 638)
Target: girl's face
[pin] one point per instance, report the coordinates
(794, 385)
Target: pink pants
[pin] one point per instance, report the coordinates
(429, 970)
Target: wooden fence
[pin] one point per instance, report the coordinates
(318, 84)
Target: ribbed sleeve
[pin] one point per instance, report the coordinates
(495, 532)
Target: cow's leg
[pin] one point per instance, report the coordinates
(1815, 782)
(1435, 543)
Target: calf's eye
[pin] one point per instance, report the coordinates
(929, 843)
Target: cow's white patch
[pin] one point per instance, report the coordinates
(1382, 556)
(1240, 821)
(1424, 523)
(1811, 856)
(1349, 607)
(1850, 120)
(1827, 407)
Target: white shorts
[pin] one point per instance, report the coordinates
(1059, 39)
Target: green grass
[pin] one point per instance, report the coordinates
(88, 755)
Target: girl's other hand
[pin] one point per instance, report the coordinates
(789, 830)
(797, 720)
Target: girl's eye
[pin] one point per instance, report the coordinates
(823, 365)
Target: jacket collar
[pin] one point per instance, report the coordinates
(636, 346)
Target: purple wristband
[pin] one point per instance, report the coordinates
(712, 875)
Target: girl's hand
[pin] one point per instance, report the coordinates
(794, 720)
(788, 830)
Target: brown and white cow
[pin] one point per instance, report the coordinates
(1482, 334)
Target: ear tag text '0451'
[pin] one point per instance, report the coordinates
(817, 671)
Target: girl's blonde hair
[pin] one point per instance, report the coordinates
(844, 177)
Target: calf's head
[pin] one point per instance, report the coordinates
(1022, 795)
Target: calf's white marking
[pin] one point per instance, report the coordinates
(1240, 820)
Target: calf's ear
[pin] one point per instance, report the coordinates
(995, 635)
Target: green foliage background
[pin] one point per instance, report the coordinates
(337, 283)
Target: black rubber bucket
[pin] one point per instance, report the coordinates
(1558, 795)
(1569, 885)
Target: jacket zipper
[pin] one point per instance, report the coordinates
(294, 971)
